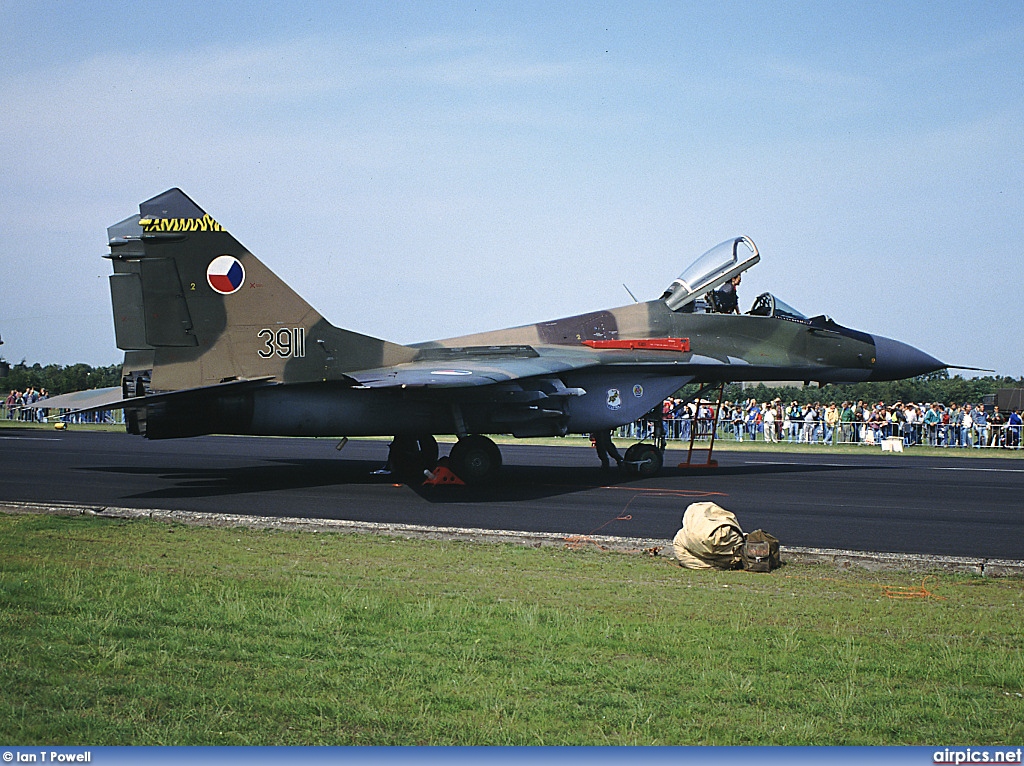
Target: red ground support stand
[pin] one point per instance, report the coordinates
(708, 461)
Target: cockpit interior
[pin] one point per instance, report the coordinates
(693, 290)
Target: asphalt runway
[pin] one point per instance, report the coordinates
(871, 502)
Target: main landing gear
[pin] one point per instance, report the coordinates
(410, 456)
(474, 459)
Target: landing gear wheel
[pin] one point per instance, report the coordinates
(643, 459)
(410, 456)
(475, 459)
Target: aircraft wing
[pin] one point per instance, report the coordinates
(79, 401)
(469, 367)
(112, 398)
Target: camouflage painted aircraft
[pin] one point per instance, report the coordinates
(216, 343)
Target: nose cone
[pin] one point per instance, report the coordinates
(895, 360)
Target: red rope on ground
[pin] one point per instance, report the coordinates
(897, 592)
(901, 593)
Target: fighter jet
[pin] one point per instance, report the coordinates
(215, 342)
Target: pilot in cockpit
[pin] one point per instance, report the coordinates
(727, 300)
(692, 291)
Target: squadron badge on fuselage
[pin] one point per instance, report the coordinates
(614, 399)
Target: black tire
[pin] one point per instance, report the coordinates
(475, 459)
(410, 456)
(643, 459)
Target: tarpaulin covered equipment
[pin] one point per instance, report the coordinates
(711, 538)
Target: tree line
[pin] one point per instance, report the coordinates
(58, 379)
(935, 387)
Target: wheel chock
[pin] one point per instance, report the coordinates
(441, 476)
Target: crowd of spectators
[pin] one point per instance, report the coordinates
(17, 406)
(937, 425)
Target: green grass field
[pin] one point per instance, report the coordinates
(143, 633)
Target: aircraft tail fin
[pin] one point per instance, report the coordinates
(188, 295)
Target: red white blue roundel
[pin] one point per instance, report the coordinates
(225, 274)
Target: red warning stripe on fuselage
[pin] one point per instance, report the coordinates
(650, 344)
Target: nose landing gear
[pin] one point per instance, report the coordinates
(643, 459)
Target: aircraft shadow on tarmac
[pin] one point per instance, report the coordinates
(515, 483)
(519, 482)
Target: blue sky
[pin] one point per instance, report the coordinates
(424, 170)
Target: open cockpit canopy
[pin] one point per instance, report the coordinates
(713, 269)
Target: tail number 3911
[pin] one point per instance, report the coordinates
(284, 342)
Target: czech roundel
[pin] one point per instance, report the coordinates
(225, 274)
